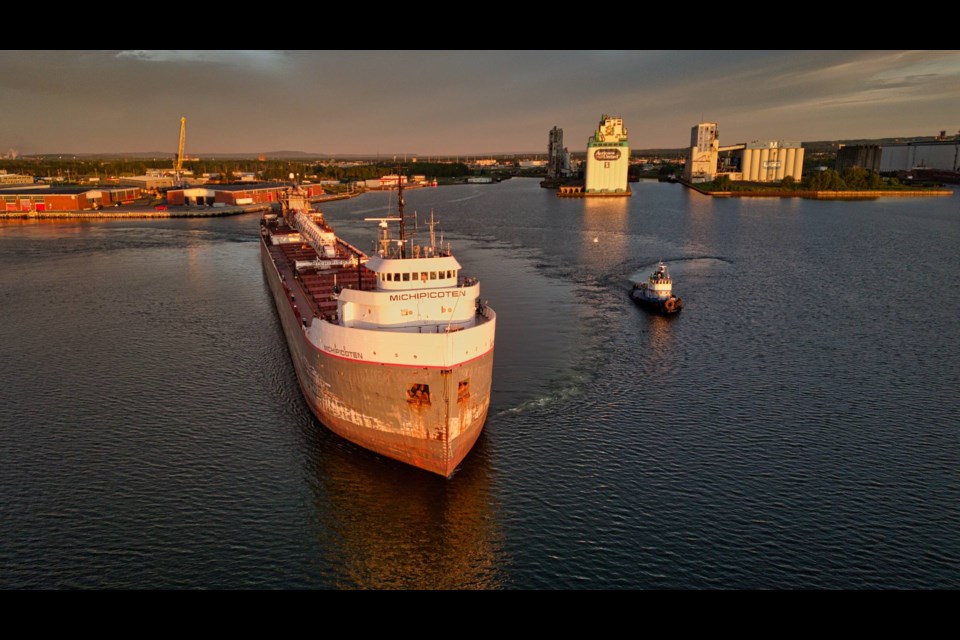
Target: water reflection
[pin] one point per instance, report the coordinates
(702, 223)
(660, 350)
(605, 235)
(613, 207)
(395, 527)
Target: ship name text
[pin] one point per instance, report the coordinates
(400, 297)
(343, 352)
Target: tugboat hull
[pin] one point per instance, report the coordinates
(667, 307)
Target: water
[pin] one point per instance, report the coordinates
(794, 427)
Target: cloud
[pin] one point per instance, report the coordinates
(254, 58)
(461, 102)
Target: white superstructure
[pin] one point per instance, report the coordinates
(420, 313)
(660, 284)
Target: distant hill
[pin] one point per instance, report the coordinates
(659, 152)
(817, 146)
(150, 155)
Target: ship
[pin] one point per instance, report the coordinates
(657, 293)
(393, 351)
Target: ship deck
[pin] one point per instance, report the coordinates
(375, 406)
(315, 296)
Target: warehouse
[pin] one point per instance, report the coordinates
(235, 194)
(148, 182)
(939, 155)
(14, 178)
(45, 198)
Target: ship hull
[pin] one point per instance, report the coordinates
(668, 306)
(371, 404)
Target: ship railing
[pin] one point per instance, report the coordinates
(323, 264)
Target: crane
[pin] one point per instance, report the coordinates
(178, 166)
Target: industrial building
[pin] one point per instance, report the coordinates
(148, 182)
(532, 164)
(384, 183)
(608, 157)
(234, 194)
(767, 161)
(936, 155)
(46, 198)
(14, 178)
(702, 154)
(770, 161)
(865, 156)
(558, 158)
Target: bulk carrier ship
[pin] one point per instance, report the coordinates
(393, 351)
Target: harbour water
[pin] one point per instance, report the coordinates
(794, 427)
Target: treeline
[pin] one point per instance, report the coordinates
(372, 171)
(76, 169)
(87, 168)
(854, 179)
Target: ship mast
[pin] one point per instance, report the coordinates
(400, 203)
(384, 238)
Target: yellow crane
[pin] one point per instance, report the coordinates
(178, 167)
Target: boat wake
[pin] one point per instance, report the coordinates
(683, 267)
(555, 397)
(362, 212)
(476, 195)
(567, 386)
(696, 260)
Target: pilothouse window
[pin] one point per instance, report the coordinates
(406, 277)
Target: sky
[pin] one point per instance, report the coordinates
(468, 103)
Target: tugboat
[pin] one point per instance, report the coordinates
(657, 293)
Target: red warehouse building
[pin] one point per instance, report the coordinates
(45, 198)
(235, 194)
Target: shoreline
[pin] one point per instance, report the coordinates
(179, 212)
(821, 195)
